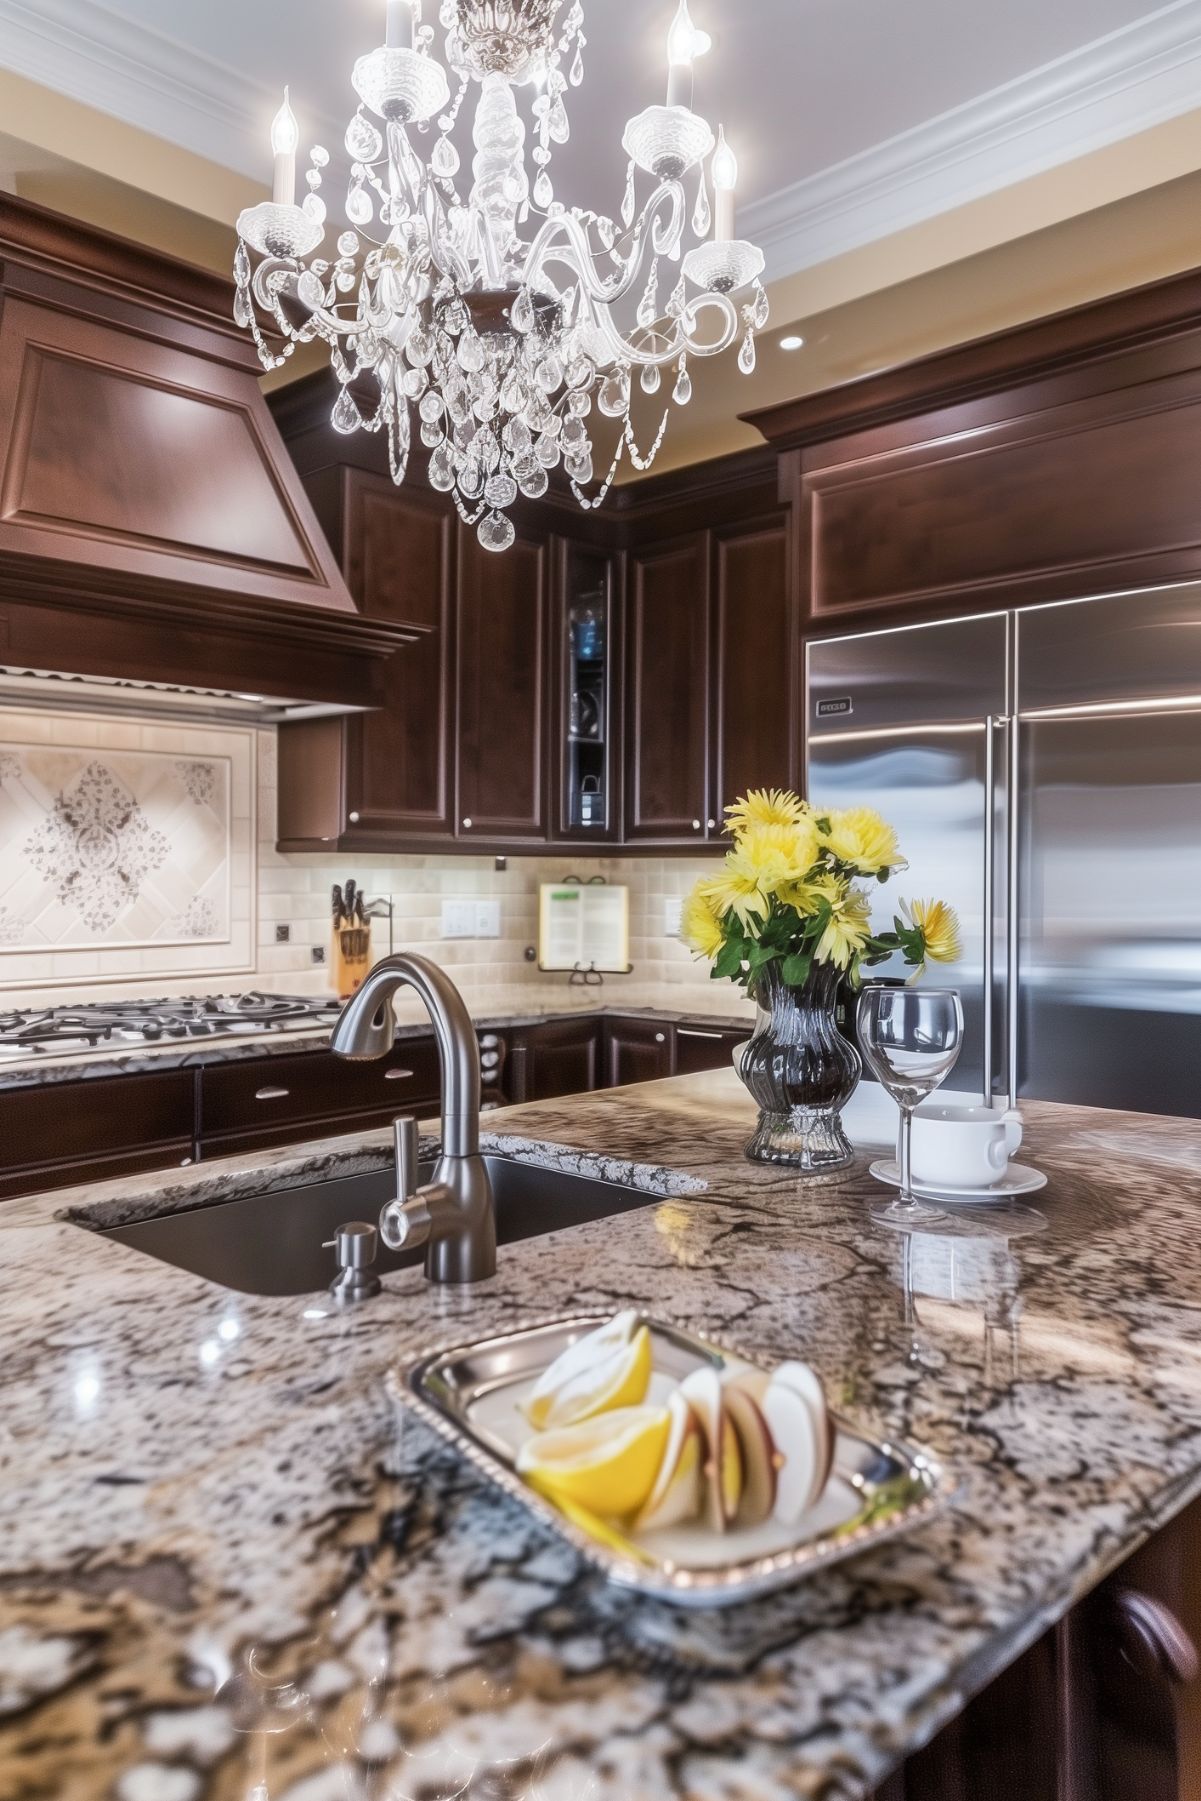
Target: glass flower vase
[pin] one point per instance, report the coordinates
(801, 1072)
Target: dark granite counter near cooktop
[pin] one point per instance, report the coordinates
(193, 1478)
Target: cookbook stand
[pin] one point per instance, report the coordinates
(584, 930)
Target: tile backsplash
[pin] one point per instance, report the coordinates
(179, 798)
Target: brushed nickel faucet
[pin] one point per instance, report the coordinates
(454, 1216)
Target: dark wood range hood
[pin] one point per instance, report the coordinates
(152, 526)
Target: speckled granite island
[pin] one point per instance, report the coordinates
(232, 1568)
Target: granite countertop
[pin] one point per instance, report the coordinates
(523, 1008)
(208, 1494)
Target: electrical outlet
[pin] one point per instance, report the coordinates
(673, 908)
(487, 919)
(317, 953)
(283, 934)
(458, 919)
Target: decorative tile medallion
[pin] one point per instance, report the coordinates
(124, 840)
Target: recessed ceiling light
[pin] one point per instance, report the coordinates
(793, 341)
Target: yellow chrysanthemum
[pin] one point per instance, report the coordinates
(808, 894)
(737, 888)
(847, 931)
(765, 806)
(939, 927)
(700, 927)
(781, 853)
(861, 838)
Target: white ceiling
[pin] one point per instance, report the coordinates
(851, 118)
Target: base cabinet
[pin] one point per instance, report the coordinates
(1105, 1707)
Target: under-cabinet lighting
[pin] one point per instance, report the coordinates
(793, 341)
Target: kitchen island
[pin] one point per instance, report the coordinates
(231, 1567)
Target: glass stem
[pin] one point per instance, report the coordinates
(907, 1199)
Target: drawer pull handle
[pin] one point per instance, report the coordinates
(398, 1075)
(695, 1032)
(271, 1094)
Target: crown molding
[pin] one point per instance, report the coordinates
(1121, 84)
(144, 78)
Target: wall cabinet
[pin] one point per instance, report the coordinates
(500, 738)
(607, 680)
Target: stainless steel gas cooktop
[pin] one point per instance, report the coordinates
(113, 1026)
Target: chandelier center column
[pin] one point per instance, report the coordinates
(501, 184)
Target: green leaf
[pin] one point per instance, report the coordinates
(795, 969)
(730, 958)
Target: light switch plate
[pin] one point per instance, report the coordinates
(487, 919)
(458, 919)
(673, 908)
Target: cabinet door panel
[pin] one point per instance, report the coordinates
(667, 704)
(562, 1057)
(757, 665)
(637, 1050)
(502, 633)
(398, 758)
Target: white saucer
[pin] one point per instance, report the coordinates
(1019, 1178)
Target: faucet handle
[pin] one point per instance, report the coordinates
(404, 1134)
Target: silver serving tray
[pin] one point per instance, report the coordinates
(469, 1395)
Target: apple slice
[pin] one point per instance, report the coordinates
(743, 1395)
(808, 1383)
(677, 1492)
(723, 1456)
(791, 1422)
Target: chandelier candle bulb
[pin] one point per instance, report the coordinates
(684, 44)
(285, 140)
(398, 34)
(725, 180)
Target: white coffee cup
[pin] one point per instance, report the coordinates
(963, 1147)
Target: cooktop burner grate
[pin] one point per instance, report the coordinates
(111, 1024)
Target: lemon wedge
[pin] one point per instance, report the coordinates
(597, 1375)
(608, 1464)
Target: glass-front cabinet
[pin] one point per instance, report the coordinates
(587, 661)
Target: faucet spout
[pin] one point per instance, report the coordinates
(367, 1028)
(460, 1231)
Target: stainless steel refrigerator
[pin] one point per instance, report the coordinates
(1043, 768)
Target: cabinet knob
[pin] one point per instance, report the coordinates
(713, 825)
(660, 1038)
(184, 1162)
(1152, 1639)
(696, 825)
(467, 825)
(354, 818)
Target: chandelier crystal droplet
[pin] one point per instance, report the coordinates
(511, 324)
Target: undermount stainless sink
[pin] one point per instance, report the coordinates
(273, 1243)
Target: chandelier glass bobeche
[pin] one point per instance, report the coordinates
(490, 317)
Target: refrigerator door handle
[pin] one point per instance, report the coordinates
(990, 894)
(1013, 922)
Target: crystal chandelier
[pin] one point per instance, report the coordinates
(505, 321)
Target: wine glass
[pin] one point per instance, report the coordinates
(911, 1037)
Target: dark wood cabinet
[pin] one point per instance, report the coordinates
(699, 1048)
(502, 631)
(667, 692)
(372, 779)
(90, 1130)
(277, 1100)
(586, 713)
(756, 663)
(561, 1056)
(637, 1050)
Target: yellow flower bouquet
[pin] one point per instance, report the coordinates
(788, 917)
(791, 894)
